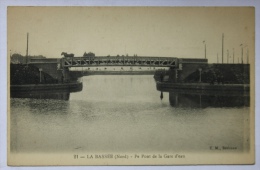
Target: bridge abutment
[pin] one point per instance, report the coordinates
(61, 75)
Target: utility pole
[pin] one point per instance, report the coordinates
(27, 48)
(241, 53)
(247, 56)
(227, 55)
(222, 48)
(200, 69)
(205, 49)
(233, 56)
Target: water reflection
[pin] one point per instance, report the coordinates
(203, 99)
(161, 96)
(57, 95)
(120, 116)
(42, 91)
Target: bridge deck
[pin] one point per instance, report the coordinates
(119, 61)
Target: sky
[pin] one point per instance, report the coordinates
(179, 32)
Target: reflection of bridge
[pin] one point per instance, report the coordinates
(205, 99)
(119, 61)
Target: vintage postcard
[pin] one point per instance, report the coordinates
(131, 85)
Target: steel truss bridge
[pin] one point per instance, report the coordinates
(119, 61)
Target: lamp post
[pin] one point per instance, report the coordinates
(241, 45)
(227, 56)
(247, 56)
(204, 42)
(27, 48)
(200, 69)
(242, 52)
(233, 56)
(222, 48)
(40, 69)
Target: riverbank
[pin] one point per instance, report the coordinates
(22, 74)
(72, 87)
(205, 87)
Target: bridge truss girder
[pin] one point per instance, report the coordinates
(119, 61)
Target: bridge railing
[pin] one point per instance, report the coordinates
(119, 61)
(43, 60)
(193, 60)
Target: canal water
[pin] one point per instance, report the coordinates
(125, 113)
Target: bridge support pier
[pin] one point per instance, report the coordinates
(65, 75)
(174, 75)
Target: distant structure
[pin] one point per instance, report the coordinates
(90, 54)
(67, 55)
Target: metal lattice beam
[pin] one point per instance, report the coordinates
(119, 61)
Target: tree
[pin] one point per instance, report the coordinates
(19, 59)
(90, 54)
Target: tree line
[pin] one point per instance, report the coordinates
(20, 59)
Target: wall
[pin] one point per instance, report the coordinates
(229, 73)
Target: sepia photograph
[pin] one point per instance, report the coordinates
(130, 85)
